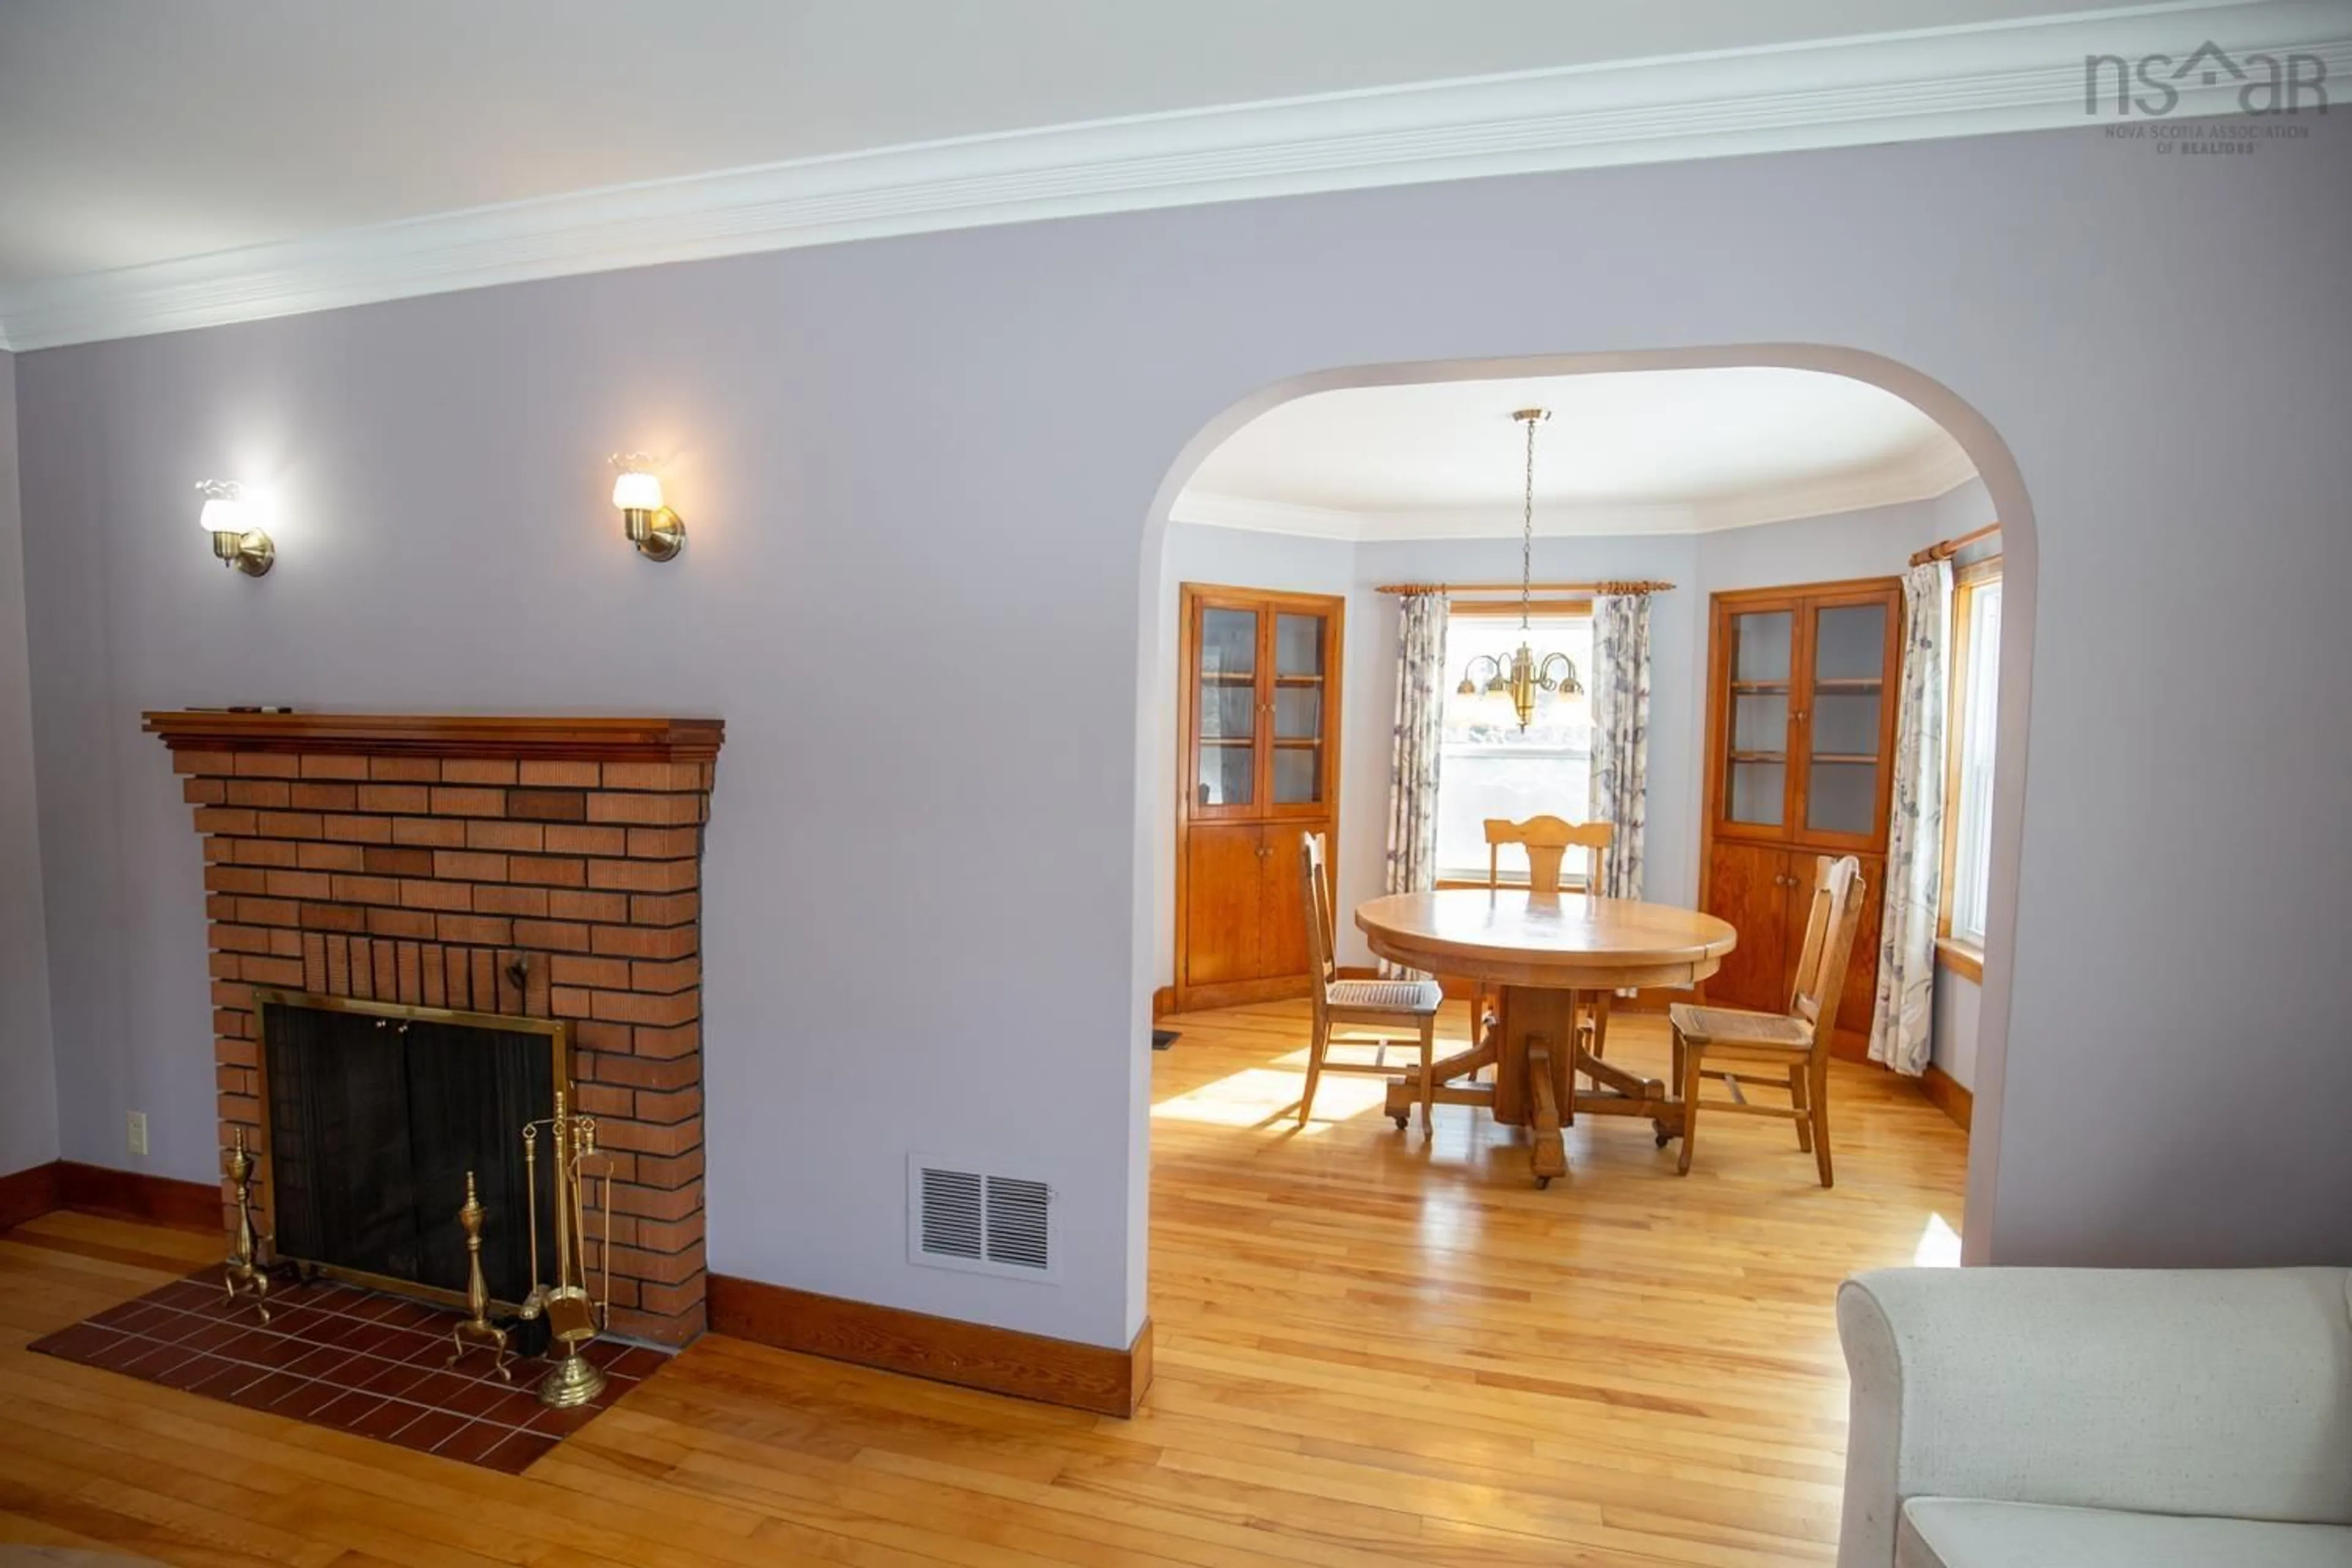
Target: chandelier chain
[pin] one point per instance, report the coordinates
(1527, 531)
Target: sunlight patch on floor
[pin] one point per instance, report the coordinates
(1940, 1244)
(1256, 1096)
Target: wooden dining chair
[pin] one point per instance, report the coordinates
(1793, 1047)
(1374, 1012)
(1548, 840)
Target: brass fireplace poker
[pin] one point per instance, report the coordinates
(246, 1274)
(573, 1316)
(478, 1325)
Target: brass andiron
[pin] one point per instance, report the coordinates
(573, 1316)
(478, 1324)
(245, 1275)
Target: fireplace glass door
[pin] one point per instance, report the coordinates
(374, 1115)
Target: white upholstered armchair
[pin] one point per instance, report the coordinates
(2075, 1418)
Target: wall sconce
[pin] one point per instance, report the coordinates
(659, 532)
(229, 517)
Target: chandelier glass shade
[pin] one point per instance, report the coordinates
(1528, 674)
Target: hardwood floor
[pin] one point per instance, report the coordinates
(1372, 1350)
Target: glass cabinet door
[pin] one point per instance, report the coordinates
(1225, 725)
(1841, 715)
(1762, 675)
(1301, 710)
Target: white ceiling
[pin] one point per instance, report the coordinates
(136, 130)
(167, 164)
(1668, 451)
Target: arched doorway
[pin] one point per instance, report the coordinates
(1995, 467)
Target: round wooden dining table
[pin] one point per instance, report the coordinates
(1551, 953)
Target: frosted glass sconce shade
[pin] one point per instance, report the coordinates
(637, 493)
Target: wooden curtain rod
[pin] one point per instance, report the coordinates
(1638, 586)
(1945, 549)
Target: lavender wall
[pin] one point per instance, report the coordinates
(28, 1096)
(922, 475)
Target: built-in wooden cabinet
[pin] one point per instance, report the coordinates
(1800, 755)
(1257, 764)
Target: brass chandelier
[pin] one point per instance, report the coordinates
(1553, 673)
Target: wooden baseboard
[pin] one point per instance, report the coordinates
(973, 1355)
(133, 1194)
(1948, 1094)
(1163, 1002)
(27, 1194)
(99, 1189)
(1239, 993)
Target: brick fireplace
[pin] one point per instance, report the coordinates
(531, 867)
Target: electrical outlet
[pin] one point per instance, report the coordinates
(138, 1123)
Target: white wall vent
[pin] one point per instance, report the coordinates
(985, 1222)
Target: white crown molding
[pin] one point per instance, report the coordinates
(2018, 75)
(1553, 521)
(1211, 509)
(1933, 468)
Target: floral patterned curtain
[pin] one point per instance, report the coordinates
(1621, 734)
(1901, 1021)
(1412, 769)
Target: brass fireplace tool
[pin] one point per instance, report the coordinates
(246, 1274)
(478, 1324)
(573, 1316)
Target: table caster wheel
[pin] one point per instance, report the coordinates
(1401, 1122)
(1665, 1133)
(1542, 1181)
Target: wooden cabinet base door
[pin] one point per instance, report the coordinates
(1747, 886)
(1282, 903)
(1222, 915)
(1245, 913)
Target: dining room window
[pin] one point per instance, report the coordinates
(1487, 766)
(1976, 703)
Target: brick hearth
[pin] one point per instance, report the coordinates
(527, 866)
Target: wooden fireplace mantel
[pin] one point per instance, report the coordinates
(577, 739)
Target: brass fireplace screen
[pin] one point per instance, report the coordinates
(374, 1113)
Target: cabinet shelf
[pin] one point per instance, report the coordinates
(1754, 688)
(1758, 756)
(1228, 678)
(1847, 759)
(1862, 683)
(1297, 742)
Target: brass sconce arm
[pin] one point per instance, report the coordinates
(659, 532)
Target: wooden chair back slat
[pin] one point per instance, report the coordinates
(1829, 941)
(1546, 841)
(1321, 936)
